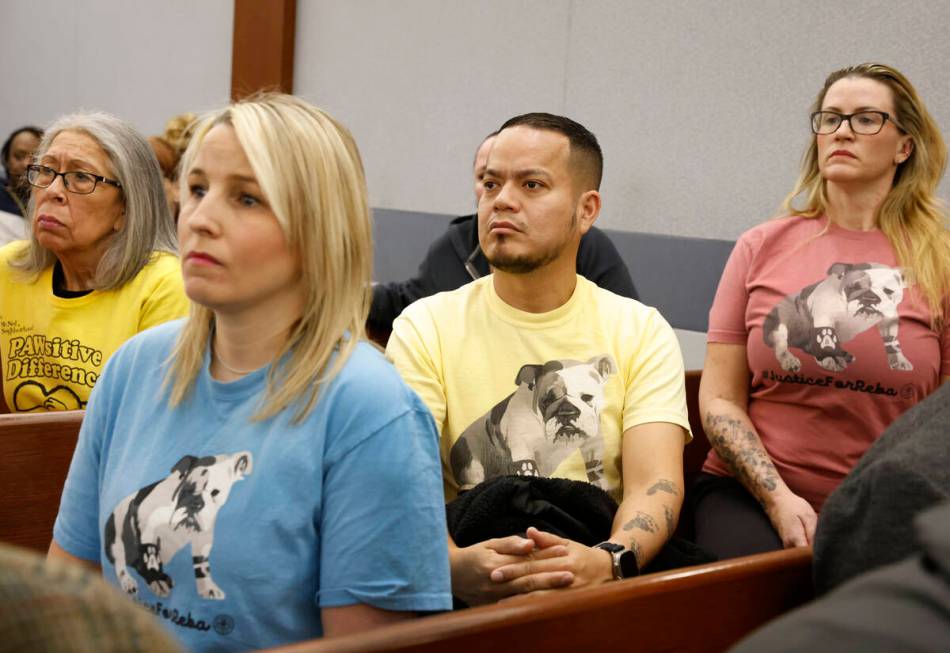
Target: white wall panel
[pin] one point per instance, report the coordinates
(142, 60)
(701, 107)
(421, 82)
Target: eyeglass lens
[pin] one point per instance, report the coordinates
(76, 182)
(865, 122)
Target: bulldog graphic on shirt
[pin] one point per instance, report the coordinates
(554, 411)
(149, 527)
(851, 299)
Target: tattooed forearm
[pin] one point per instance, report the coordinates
(670, 522)
(663, 485)
(741, 449)
(642, 521)
(637, 553)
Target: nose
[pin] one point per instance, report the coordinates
(869, 298)
(198, 215)
(57, 189)
(568, 412)
(505, 199)
(840, 132)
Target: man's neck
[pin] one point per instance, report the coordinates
(539, 291)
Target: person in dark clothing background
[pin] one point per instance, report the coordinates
(455, 259)
(16, 153)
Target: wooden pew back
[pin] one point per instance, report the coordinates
(36, 450)
(703, 608)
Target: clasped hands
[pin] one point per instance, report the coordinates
(507, 566)
(793, 519)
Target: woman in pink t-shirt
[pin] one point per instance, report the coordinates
(836, 313)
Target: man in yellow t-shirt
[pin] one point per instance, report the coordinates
(536, 371)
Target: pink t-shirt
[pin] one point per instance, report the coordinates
(837, 346)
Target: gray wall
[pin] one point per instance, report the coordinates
(701, 107)
(143, 60)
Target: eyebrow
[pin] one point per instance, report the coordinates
(72, 161)
(239, 178)
(521, 174)
(858, 110)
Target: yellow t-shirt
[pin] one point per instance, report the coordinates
(547, 394)
(54, 348)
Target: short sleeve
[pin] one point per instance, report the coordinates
(408, 351)
(382, 526)
(727, 316)
(655, 385)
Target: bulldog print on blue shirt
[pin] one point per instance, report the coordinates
(148, 528)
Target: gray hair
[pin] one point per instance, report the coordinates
(148, 226)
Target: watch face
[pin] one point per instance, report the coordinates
(628, 565)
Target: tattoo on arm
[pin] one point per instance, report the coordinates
(664, 485)
(637, 553)
(670, 523)
(742, 451)
(642, 521)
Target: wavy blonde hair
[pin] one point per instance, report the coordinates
(309, 169)
(911, 216)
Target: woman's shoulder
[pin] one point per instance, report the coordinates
(162, 264)
(780, 229)
(162, 274)
(152, 345)
(367, 377)
(12, 249)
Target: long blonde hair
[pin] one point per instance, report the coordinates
(309, 169)
(911, 216)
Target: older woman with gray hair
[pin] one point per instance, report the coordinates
(99, 265)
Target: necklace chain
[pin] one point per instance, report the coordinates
(228, 367)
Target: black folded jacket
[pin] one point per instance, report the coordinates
(508, 505)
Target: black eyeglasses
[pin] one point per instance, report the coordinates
(81, 183)
(866, 123)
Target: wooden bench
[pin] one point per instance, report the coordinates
(36, 450)
(703, 608)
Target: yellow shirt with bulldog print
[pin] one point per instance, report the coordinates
(54, 348)
(546, 394)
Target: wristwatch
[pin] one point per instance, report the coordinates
(624, 560)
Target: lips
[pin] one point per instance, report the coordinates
(503, 225)
(844, 153)
(46, 221)
(201, 258)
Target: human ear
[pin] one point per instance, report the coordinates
(119, 221)
(906, 149)
(588, 208)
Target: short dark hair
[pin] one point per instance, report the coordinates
(585, 153)
(7, 144)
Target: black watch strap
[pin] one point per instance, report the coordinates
(624, 560)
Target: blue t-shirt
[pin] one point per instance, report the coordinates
(232, 531)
